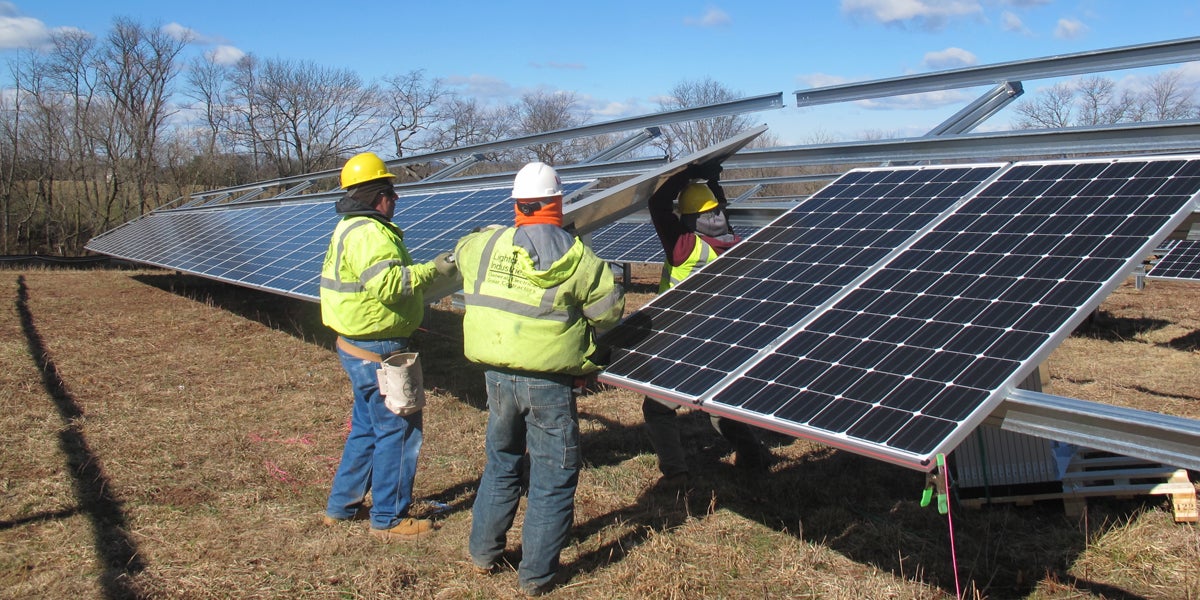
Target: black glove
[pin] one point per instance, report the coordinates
(445, 265)
(709, 171)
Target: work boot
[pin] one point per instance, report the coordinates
(406, 529)
(673, 484)
(362, 513)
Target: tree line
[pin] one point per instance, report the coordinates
(95, 131)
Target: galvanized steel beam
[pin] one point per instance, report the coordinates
(1111, 59)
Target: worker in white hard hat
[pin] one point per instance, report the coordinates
(371, 295)
(692, 235)
(534, 295)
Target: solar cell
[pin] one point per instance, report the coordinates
(279, 248)
(1181, 261)
(901, 351)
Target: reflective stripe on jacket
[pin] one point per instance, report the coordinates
(369, 287)
(528, 320)
(672, 275)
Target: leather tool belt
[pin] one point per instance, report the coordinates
(357, 352)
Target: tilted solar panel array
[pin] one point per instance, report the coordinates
(279, 248)
(1181, 261)
(885, 316)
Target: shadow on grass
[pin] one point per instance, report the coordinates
(117, 552)
(863, 509)
(1103, 326)
(1187, 343)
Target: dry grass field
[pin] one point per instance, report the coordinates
(166, 436)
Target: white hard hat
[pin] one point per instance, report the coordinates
(536, 180)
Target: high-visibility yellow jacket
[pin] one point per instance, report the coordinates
(370, 289)
(673, 274)
(521, 318)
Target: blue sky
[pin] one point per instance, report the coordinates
(619, 56)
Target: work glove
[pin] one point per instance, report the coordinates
(445, 265)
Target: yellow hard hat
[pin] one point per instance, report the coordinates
(696, 198)
(362, 168)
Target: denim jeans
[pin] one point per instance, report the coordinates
(381, 451)
(534, 413)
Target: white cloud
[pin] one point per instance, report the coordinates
(611, 109)
(17, 31)
(922, 101)
(713, 17)
(949, 58)
(483, 86)
(1069, 29)
(181, 33)
(225, 55)
(816, 80)
(1189, 73)
(1011, 22)
(558, 65)
(931, 14)
(1023, 3)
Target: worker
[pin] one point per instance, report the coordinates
(534, 296)
(696, 235)
(371, 296)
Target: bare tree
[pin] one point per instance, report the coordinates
(683, 138)
(466, 122)
(1096, 100)
(207, 86)
(137, 70)
(1168, 99)
(306, 117)
(541, 112)
(1049, 110)
(410, 104)
(10, 128)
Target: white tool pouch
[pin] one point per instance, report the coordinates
(400, 383)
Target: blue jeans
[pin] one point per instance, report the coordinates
(381, 451)
(534, 413)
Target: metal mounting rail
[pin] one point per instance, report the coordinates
(1139, 138)
(1170, 440)
(1111, 59)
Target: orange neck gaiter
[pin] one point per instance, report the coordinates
(549, 212)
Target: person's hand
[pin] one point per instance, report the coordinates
(445, 265)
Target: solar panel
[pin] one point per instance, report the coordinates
(759, 288)
(279, 248)
(1181, 261)
(628, 242)
(891, 323)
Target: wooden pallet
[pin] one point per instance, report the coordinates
(1092, 475)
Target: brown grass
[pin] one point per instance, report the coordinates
(170, 437)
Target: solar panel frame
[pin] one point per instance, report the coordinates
(853, 382)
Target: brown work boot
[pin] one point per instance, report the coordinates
(362, 513)
(406, 529)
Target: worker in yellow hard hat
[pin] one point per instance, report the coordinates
(371, 295)
(693, 235)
